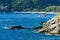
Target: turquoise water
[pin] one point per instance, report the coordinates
(27, 21)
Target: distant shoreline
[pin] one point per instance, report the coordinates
(16, 12)
(39, 12)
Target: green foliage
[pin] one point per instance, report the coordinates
(32, 5)
(22, 5)
(52, 9)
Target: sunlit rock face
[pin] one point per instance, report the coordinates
(52, 26)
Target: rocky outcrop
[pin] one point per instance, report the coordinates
(52, 26)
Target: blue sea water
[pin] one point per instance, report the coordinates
(27, 21)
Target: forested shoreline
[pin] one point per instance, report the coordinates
(30, 5)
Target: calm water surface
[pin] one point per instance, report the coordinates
(27, 21)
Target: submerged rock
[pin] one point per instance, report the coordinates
(14, 27)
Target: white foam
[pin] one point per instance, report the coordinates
(6, 28)
(47, 34)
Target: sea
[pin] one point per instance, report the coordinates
(26, 20)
